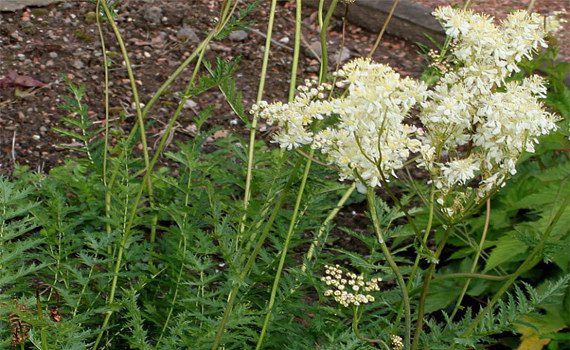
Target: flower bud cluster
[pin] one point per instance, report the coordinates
(397, 342)
(348, 288)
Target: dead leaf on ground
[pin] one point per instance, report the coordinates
(13, 79)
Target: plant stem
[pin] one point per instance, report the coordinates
(43, 334)
(325, 223)
(253, 256)
(425, 288)
(475, 260)
(292, 224)
(296, 49)
(530, 6)
(424, 238)
(355, 321)
(471, 276)
(324, 51)
(132, 80)
(400, 279)
(418, 256)
(383, 29)
(253, 128)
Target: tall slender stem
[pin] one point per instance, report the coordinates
(133, 83)
(425, 288)
(296, 49)
(324, 50)
(253, 128)
(399, 278)
(226, 12)
(252, 257)
(475, 259)
(292, 224)
(383, 29)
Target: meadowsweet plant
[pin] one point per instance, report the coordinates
(474, 124)
(383, 212)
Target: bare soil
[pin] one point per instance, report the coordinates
(60, 42)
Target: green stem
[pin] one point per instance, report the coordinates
(253, 128)
(400, 279)
(323, 227)
(418, 256)
(133, 83)
(470, 276)
(324, 51)
(475, 260)
(43, 334)
(292, 224)
(424, 238)
(355, 321)
(425, 288)
(253, 256)
(296, 49)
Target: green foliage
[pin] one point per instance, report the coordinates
(76, 246)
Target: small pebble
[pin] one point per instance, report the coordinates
(77, 64)
(238, 35)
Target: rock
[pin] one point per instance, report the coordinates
(341, 57)
(314, 48)
(238, 35)
(15, 5)
(153, 15)
(77, 64)
(52, 54)
(189, 104)
(187, 34)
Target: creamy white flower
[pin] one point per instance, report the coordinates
(460, 171)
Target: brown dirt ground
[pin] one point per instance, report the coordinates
(59, 41)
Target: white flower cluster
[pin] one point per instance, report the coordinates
(476, 125)
(347, 289)
(369, 139)
(295, 118)
(397, 342)
(489, 53)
